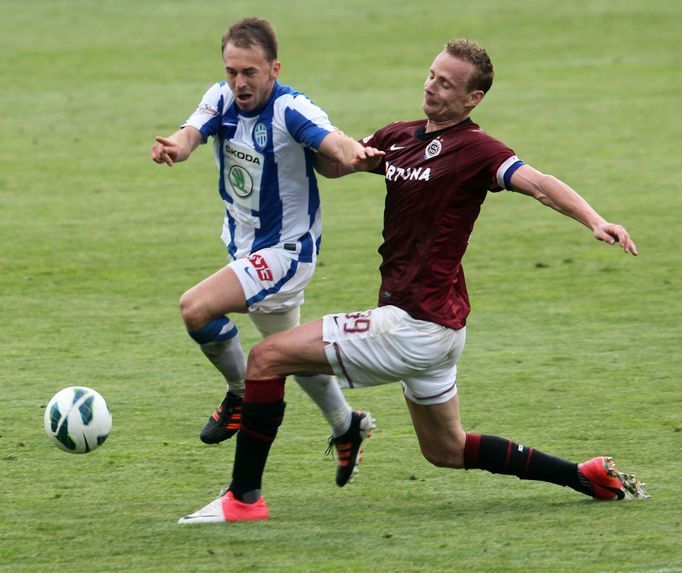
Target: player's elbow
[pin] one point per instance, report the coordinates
(539, 188)
(529, 181)
(328, 167)
(329, 171)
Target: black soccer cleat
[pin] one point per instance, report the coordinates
(347, 446)
(224, 422)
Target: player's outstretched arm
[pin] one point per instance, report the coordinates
(176, 147)
(340, 155)
(561, 197)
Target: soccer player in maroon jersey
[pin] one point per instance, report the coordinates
(438, 172)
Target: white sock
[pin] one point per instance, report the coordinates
(325, 392)
(228, 357)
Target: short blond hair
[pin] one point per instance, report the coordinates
(482, 78)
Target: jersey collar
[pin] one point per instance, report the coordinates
(420, 132)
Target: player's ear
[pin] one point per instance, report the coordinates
(475, 97)
(274, 72)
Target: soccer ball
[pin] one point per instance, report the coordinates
(77, 419)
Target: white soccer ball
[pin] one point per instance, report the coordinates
(78, 419)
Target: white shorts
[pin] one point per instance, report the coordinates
(386, 344)
(272, 279)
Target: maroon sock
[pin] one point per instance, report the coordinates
(262, 414)
(501, 456)
(264, 391)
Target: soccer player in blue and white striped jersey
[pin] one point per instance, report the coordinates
(265, 138)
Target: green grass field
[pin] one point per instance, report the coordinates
(574, 348)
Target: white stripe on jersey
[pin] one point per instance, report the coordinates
(265, 163)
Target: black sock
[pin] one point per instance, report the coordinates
(258, 430)
(501, 456)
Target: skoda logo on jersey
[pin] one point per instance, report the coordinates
(240, 181)
(433, 149)
(260, 135)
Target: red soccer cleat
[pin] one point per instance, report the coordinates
(608, 483)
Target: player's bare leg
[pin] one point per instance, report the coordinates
(204, 310)
(439, 432)
(217, 294)
(219, 340)
(320, 388)
(298, 350)
(302, 350)
(444, 443)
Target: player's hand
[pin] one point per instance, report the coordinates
(165, 151)
(612, 233)
(367, 158)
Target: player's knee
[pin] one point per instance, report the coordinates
(260, 362)
(191, 313)
(440, 459)
(449, 455)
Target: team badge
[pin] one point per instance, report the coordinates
(260, 135)
(240, 181)
(433, 149)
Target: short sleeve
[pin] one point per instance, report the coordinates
(307, 123)
(207, 118)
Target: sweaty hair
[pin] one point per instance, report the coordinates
(482, 77)
(249, 32)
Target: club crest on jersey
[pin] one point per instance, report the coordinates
(260, 135)
(240, 181)
(433, 149)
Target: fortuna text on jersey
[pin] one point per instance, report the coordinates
(395, 173)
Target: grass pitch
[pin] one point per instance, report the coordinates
(573, 347)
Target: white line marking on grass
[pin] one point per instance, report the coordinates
(663, 570)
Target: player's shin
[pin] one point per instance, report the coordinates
(219, 341)
(325, 392)
(502, 456)
(262, 413)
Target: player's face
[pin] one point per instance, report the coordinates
(250, 75)
(446, 96)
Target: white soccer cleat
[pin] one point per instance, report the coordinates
(228, 509)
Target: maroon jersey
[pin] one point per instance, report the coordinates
(436, 183)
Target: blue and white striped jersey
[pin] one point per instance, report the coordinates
(265, 163)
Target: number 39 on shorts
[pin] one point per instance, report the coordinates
(357, 321)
